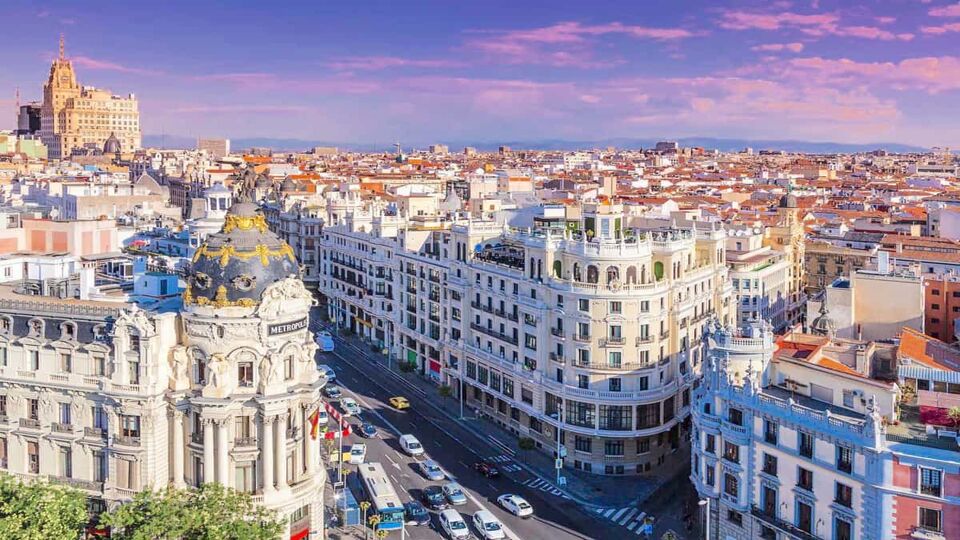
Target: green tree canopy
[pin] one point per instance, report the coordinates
(209, 513)
(38, 510)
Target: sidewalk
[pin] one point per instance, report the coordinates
(585, 488)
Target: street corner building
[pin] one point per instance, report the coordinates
(217, 386)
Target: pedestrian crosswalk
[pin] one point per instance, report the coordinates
(505, 463)
(630, 517)
(544, 486)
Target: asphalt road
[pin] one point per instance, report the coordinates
(455, 450)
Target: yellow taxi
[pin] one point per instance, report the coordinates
(399, 402)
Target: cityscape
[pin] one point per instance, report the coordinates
(434, 271)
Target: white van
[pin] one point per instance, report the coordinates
(410, 445)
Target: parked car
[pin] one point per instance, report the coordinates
(328, 372)
(416, 514)
(433, 497)
(350, 406)
(431, 470)
(453, 524)
(515, 504)
(487, 469)
(332, 391)
(358, 453)
(454, 493)
(411, 445)
(325, 341)
(488, 525)
(367, 430)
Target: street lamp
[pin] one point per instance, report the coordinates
(705, 504)
(364, 505)
(559, 462)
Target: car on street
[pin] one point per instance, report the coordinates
(453, 524)
(488, 525)
(322, 417)
(325, 341)
(487, 469)
(515, 504)
(454, 494)
(332, 391)
(358, 453)
(433, 497)
(328, 372)
(367, 430)
(410, 445)
(415, 513)
(399, 402)
(431, 470)
(350, 406)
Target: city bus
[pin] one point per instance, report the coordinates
(376, 488)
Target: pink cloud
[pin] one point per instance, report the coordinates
(952, 10)
(778, 47)
(820, 24)
(942, 29)
(886, 20)
(928, 74)
(565, 44)
(105, 65)
(376, 63)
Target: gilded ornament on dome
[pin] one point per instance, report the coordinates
(188, 295)
(202, 280)
(245, 223)
(243, 282)
(221, 300)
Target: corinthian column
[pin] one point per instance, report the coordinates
(223, 459)
(209, 475)
(266, 452)
(178, 449)
(280, 451)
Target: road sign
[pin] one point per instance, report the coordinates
(559, 464)
(562, 481)
(563, 451)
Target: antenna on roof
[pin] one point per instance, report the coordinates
(62, 55)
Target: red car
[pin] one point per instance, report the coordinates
(487, 469)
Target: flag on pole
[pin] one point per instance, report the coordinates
(315, 424)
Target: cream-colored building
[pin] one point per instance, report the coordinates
(113, 399)
(74, 116)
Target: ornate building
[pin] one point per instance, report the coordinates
(112, 399)
(75, 116)
(788, 237)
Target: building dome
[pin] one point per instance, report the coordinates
(234, 266)
(288, 185)
(112, 145)
(788, 201)
(823, 325)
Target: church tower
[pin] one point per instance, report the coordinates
(61, 88)
(788, 237)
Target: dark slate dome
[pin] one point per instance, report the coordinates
(788, 201)
(235, 265)
(112, 145)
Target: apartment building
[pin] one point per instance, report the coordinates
(112, 398)
(826, 261)
(759, 276)
(588, 328)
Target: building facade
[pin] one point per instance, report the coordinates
(217, 387)
(74, 116)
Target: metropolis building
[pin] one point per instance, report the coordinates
(113, 398)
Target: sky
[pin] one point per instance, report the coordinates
(487, 71)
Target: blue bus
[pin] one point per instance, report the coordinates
(375, 487)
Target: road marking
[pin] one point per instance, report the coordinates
(632, 525)
(627, 517)
(616, 517)
(609, 512)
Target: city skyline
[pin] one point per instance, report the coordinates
(816, 71)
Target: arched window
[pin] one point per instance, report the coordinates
(658, 270)
(643, 274)
(632, 275)
(576, 272)
(593, 274)
(613, 274)
(557, 269)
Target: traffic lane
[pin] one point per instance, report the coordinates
(457, 458)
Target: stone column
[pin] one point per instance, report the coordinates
(178, 449)
(280, 451)
(310, 448)
(223, 459)
(209, 474)
(266, 452)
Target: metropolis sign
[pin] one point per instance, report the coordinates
(287, 327)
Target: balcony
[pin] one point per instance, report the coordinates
(127, 440)
(493, 333)
(557, 358)
(29, 423)
(557, 332)
(583, 338)
(781, 525)
(613, 341)
(512, 316)
(86, 485)
(481, 307)
(196, 438)
(57, 427)
(642, 340)
(95, 433)
(245, 441)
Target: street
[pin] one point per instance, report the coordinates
(455, 449)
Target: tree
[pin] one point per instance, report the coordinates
(209, 513)
(526, 444)
(445, 391)
(954, 415)
(38, 510)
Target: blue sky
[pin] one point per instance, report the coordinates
(496, 70)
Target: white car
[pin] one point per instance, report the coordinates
(488, 525)
(322, 417)
(410, 444)
(328, 372)
(325, 341)
(350, 406)
(516, 505)
(452, 522)
(358, 453)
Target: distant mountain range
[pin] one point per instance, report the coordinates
(726, 145)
